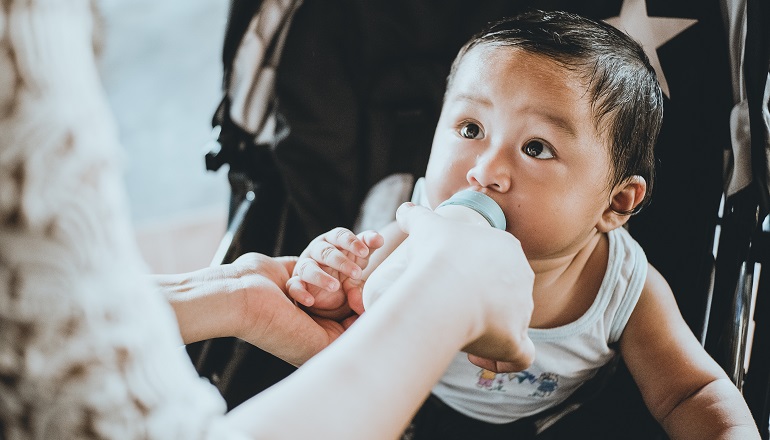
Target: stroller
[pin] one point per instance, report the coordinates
(335, 85)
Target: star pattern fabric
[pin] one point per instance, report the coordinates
(650, 32)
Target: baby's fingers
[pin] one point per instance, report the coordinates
(296, 290)
(354, 293)
(308, 270)
(372, 239)
(345, 240)
(496, 366)
(325, 253)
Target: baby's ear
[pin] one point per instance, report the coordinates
(624, 199)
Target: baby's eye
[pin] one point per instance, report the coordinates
(537, 149)
(470, 130)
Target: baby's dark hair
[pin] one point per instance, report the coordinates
(624, 90)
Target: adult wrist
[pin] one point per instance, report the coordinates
(203, 302)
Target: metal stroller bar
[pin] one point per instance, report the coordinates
(729, 316)
(745, 241)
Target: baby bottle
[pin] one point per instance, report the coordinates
(467, 205)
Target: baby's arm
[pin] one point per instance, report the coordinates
(392, 236)
(685, 390)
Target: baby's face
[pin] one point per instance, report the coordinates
(519, 127)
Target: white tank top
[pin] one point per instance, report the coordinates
(565, 357)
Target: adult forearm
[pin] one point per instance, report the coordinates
(716, 411)
(200, 303)
(402, 340)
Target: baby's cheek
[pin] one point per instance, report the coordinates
(434, 192)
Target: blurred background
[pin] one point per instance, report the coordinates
(161, 69)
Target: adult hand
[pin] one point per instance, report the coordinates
(497, 293)
(245, 299)
(269, 319)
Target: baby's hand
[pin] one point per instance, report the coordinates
(329, 270)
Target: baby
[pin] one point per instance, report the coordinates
(554, 117)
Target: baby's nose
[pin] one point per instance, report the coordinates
(490, 171)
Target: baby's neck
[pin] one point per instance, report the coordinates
(566, 285)
(552, 268)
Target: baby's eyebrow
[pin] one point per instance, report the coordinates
(473, 99)
(560, 122)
